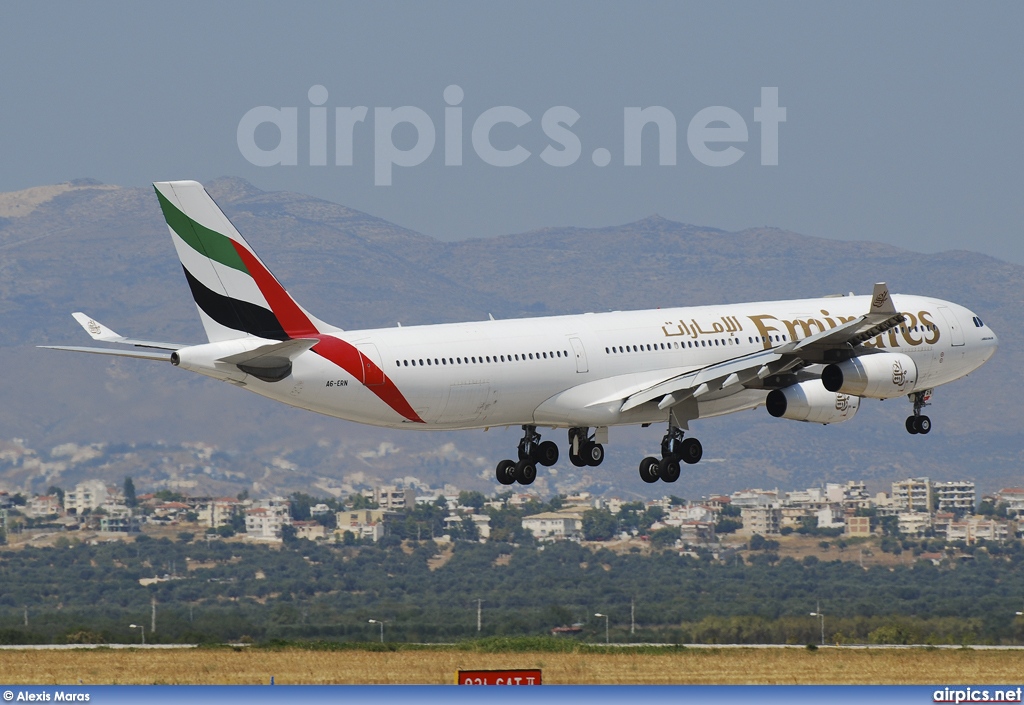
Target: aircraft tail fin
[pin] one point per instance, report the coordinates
(235, 292)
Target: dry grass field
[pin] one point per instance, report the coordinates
(438, 666)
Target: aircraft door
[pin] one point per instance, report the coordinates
(373, 368)
(955, 331)
(581, 354)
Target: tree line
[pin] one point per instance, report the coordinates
(214, 590)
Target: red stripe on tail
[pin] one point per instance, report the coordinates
(296, 324)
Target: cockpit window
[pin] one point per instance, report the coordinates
(978, 322)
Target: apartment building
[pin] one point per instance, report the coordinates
(912, 495)
(958, 497)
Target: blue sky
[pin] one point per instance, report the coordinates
(903, 121)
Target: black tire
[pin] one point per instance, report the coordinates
(923, 425)
(525, 472)
(649, 470)
(691, 451)
(506, 472)
(912, 425)
(577, 460)
(668, 469)
(593, 454)
(547, 453)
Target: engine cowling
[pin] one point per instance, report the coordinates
(879, 376)
(810, 401)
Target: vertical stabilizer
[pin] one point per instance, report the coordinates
(235, 293)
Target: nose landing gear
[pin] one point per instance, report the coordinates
(918, 422)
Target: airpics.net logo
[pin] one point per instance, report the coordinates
(712, 134)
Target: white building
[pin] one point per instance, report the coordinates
(1012, 497)
(754, 498)
(554, 525)
(958, 497)
(266, 522)
(973, 529)
(481, 521)
(219, 512)
(914, 523)
(855, 495)
(87, 495)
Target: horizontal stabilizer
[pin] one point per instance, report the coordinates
(98, 331)
(140, 354)
(288, 350)
(271, 363)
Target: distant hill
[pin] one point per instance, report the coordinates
(105, 250)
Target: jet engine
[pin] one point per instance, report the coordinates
(809, 401)
(879, 376)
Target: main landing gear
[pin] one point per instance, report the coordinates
(583, 449)
(674, 448)
(919, 423)
(532, 452)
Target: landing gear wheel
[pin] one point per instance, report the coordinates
(593, 454)
(692, 451)
(525, 472)
(547, 453)
(668, 470)
(506, 472)
(577, 460)
(923, 425)
(912, 425)
(649, 470)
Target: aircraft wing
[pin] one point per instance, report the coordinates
(752, 369)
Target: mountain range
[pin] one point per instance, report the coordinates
(105, 250)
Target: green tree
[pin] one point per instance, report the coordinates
(130, 500)
(55, 490)
(358, 501)
(299, 505)
(663, 538)
(598, 525)
(472, 499)
(289, 535)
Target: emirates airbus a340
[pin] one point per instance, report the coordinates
(807, 360)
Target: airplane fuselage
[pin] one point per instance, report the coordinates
(574, 371)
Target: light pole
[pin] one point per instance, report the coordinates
(598, 614)
(381, 623)
(820, 616)
(142, 630)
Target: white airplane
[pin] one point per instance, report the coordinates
(807, 360)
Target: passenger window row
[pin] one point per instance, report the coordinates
(654, 347)
(481, 359)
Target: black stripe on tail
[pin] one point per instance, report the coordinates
(235, 314)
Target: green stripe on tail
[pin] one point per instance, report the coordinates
(206, 242)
